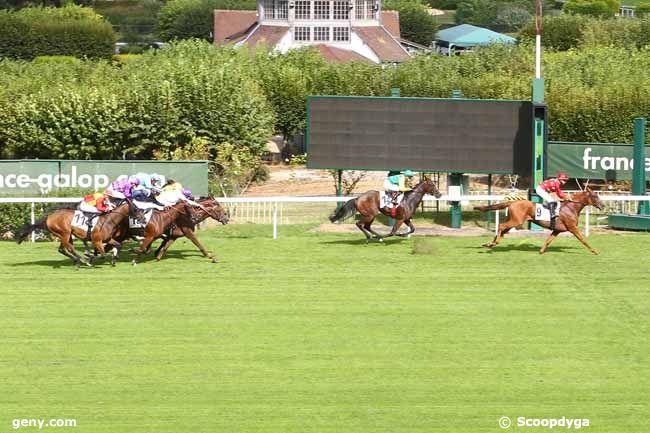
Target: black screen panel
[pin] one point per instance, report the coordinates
(468, 136)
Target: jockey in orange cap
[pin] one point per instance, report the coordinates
(553, 185)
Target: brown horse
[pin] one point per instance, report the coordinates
(162, 222)
(368, 205)
(184, 226)
(520, 211)
(59, 223)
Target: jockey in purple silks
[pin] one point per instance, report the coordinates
(121, 188)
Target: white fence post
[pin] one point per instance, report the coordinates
(275, 220)
(496, 222)
(33, 219)
(587, 222)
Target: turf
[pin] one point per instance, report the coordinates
(322, 333)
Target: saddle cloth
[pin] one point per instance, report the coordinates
(134, 224)
(385, 201)
(542, 213)
(80, 220)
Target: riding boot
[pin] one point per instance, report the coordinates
(551, 208)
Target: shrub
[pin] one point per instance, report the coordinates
(68, 31)
(187, 19)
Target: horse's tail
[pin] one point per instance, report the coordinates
(345, 211)
(28, 228)
(497, 206)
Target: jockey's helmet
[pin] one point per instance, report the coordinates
(562, 176)
(408, 173)
(134, 181)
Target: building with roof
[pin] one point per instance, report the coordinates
(465, 37)
(342, 30)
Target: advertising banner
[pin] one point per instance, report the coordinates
(593, 160)
(37, 177)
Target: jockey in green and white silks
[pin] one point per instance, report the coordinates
(398, 183)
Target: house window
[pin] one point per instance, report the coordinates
(301, 34)
(303, 10)
(341, 34)
(341, 10)
(276, 9)
(363, 10)
(322, 10)
(321, 33)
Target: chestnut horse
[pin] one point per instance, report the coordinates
(520, 211)
(368, 205)
(59, 223)
(184, 226)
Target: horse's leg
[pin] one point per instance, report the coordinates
(396, 226)
(576, 232)
(69, 247)
(191, 236)
(552, 236)
(164, 246)
(144, 247)
(367, 227)
(65, 252)
(361, 224)
(116, 247)
(411, 228)
(503, 229)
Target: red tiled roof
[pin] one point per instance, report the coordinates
(228, 25)
(382, 43)
(338, 55)
(269, 36)
(390, 20)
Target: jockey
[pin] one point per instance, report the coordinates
(121, 187)
(143, 186)
(174, 192)
(553, 185)
(398, 183)
(95, 203)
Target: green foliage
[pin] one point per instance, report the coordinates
(476, 12)
(568, 31)
(560, 32)
(61, 59)
(186, 19)
(594, 8)
(416, 24)
(642, 10)
(67, 31)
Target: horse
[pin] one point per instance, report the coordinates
(368, 205)
(520, 211)
(162, 223)
(184, 226)
(59, 223)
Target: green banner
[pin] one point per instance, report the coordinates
(593, 160)
(30, 177)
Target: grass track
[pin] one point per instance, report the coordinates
(321, 333)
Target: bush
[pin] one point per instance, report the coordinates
(416, 24)
(68, 31)
(56, 59)
(594, 8)
(187, 19)
(560, 32)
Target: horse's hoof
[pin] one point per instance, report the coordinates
(214, 260)
(595, 252)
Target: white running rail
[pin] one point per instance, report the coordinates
(274, 201)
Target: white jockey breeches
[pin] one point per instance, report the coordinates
(548, 198)
(85, 207)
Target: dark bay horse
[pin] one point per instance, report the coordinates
(59, 223)
(520, 211)
(368, 205)
(184, 226)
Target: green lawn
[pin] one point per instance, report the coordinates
(322, 333)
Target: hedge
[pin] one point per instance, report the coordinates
(68, 31)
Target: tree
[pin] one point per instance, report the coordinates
(476, 12)
(186, 19)
(595, 8)
(642, 10)
(416, 23)
(513, 16)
